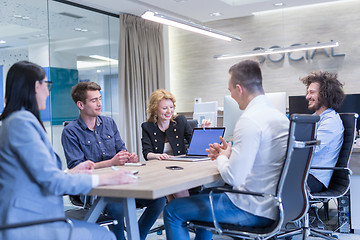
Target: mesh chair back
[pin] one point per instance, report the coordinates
(291, 192)
(292, 184)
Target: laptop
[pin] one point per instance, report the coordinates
(200, 140)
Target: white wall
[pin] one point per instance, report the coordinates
(195, 73)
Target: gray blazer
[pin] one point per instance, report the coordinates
(32, 183)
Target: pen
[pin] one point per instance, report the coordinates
(135, 164)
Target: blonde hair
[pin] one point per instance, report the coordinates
(154, 100)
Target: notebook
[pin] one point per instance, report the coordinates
(200, 140)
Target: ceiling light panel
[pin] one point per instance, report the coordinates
(242, 2)
(187, 25)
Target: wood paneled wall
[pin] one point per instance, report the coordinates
(194, 73)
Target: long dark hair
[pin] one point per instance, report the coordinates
(20, 88)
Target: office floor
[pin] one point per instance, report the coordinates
(332, 223)
(159, 222)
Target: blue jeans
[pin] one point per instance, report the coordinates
(147, 219)
(197, 208)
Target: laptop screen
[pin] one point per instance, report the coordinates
(201, 139)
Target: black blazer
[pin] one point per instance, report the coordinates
(153, 139)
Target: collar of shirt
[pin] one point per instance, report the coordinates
(83, 125)
(326, 112)
(258, 99)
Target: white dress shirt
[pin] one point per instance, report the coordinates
(258, 153)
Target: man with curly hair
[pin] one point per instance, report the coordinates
(325, 96)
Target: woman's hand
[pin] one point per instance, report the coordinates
(117, 177)
(206, 123)
(163, 156)
(84, 167)
(158, 156)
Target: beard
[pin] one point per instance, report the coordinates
(316, 106)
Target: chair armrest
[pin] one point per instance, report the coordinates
(332, 168)
(306, 144)
(31, 223)
(224, 189)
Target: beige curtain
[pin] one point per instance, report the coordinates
(141, 71)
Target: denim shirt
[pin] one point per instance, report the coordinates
(81, 143)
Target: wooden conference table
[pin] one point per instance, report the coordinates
(155, 181)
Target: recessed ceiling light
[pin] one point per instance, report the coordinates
(215, 14)
(21, 17)
(2, 41)
(81, 29)
(279, 4)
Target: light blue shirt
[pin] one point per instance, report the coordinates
(330, 131)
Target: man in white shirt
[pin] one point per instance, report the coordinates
(254, 163)
(325, 95)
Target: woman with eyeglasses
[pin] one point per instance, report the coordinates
(32, 183)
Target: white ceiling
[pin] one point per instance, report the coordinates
(19, 32)
(196, 10)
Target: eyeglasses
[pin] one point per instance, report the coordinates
(49, 84)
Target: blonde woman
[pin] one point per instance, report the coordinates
(164, 133)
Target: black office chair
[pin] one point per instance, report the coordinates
(8, 227)
(340, 180)
(193, 124)
(339, 183)
(291, 195)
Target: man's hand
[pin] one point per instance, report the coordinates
(133, 158)
(216, 149)
(84, 167)
(120, 158)
(225, 148)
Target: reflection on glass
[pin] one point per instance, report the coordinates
(71, 43)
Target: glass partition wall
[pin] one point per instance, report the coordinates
(72, 43)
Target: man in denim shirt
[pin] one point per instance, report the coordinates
(325, 96)
(96, 138)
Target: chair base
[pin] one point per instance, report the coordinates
(307, 231)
